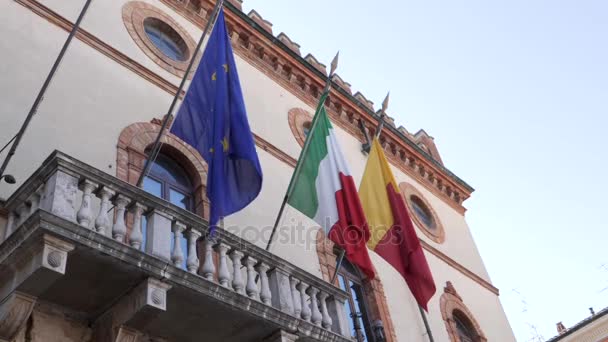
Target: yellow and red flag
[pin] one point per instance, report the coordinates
(392, 232)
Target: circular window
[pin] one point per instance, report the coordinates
(159, 36)
(166, 39)
(422, 213)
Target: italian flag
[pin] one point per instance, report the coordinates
(324, 190)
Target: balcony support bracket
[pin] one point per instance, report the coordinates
(125, 320)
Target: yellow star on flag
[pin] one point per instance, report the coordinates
(225, 144)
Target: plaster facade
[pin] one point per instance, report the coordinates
(107, 84)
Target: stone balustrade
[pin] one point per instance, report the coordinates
(110, 207)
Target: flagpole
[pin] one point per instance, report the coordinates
(157, 143)
(376, 136)
(380, 125)
(426, 324)
(296, 172)
(45, 85)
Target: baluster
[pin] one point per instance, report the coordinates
(85, 214)
(119, 230)
(314, 306)
(237, 277)
(251, 288)
(177, 257)
(208, 265)
(102, 222)
(137, 237)
(297, 304)
(305, 314)
(192, 262)
(265, 294)
(325, 318)
(223, 273)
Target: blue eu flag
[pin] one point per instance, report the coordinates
(213, 120)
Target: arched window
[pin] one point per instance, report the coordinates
(350, 280)
(459, 321)
(169, 181)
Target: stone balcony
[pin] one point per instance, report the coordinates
(126, 262)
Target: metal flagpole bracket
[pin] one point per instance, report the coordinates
(366, 146)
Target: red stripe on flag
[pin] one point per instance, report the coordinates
(351, 231)
(401, 248)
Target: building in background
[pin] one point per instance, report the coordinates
(592, 329)
(87, 256)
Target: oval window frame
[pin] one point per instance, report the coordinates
(435, 232)
(134, 13)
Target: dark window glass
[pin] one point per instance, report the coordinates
(166, 39)
(350, 280)
(306, 127)
(423, 213)
(168, 180)
(464, 332)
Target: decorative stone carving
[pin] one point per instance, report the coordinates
(306, 313)
(85, 213)
(251, 288)
(208, 269)
(14, 311)
(297, 302)
(177, 257)
(192, 262)
(223, 272)
(265, 294)
(315, 316)
(137, 237)
(102, 222)
(237, 277)
(119, 230)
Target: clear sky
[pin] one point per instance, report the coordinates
(515, 93)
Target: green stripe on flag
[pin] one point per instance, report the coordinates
(304, 196)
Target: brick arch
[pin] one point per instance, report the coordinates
(451, 303)
(373, 289)
(297, 118)
(133, 142)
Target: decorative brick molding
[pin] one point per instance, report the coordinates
(136, 138)
(133, 15)
(305, 79)
(401, 154)
(451, 304)
(435, 233)
(297, 118)
(373, 290)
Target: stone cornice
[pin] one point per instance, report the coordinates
(303, 78)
